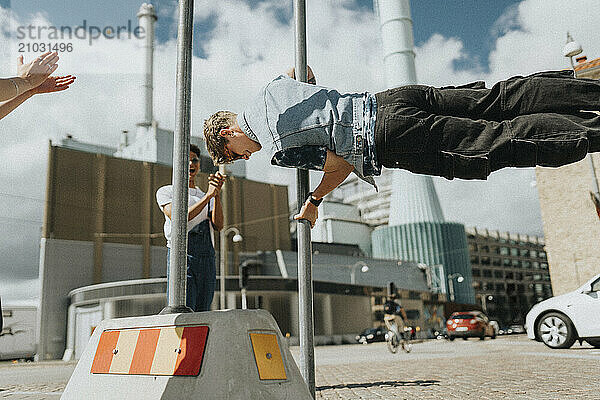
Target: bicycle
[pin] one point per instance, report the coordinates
(395, 339)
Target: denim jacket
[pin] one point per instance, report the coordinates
(289, 114)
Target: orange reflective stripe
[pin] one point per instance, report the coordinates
(104, 352)
(193, 342)
(144, 351)
(173, 350)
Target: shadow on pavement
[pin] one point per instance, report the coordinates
(378, 384)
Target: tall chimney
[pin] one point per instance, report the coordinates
(413, 198)
(147, 17)
(416, 229)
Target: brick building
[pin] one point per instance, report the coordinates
(569, 215)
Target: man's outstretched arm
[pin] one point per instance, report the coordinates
(336, 169)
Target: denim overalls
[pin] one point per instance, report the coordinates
(201, 270)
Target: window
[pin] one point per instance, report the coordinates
(509, 275)
(542, 255)
(414, 295)
(519, 276)
(485, 261)
(484, 249)
(496, 261)
(536, 265)
(532, 253)
(500, 287)
(524, 253)
(487, 273)
(527, 264)
(538, 288)
(504, 251)
(474, 260)
(521, 288)
(476, 273)
(506, 262)
(472, 247)
(510, 287)
(516, 263)
(537, 277)
(498, 274)
(412, 314)
(544, 265)
(495, 250)
(596, 286)
(514, 252)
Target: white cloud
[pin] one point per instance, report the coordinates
(249, 46)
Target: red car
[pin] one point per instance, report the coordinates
(466, 324)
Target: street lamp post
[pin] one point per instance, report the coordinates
(236, 239)
(364, 268)
(484, 299)
(459, 279)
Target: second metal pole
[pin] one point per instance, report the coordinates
(181, 154)
(223, 242)
(305, 284)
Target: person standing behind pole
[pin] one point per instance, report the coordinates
(205, 214)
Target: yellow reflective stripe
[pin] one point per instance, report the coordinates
(267, 356)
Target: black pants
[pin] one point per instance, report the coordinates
(470, 131)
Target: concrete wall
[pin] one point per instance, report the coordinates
(571, 224)
(68, 264)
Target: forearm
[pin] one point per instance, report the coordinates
(12, 87)
(8, 106)
(217, 214)
(194, 210)
(331, 180)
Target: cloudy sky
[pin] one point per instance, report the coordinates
(238, 46)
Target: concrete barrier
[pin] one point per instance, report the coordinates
(231, 354)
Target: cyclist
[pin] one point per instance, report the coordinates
(394, 317)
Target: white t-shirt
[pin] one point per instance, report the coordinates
(164, 195)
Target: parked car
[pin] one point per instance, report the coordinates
(496, 327)
(515, 329)
(466, 324)
(561, 320)
(371, 335)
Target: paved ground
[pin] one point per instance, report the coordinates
(506, 368)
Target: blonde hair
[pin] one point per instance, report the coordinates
(215, 143)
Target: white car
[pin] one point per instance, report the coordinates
(560, 321)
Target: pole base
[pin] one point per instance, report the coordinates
(175, 310)
(217, 355)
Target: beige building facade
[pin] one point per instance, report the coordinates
(570, 219)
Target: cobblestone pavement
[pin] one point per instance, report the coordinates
(510, 367)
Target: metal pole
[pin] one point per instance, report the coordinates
(244, 299)
(181, 153)
(305, 288)
(223, 241)
(451, 286)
